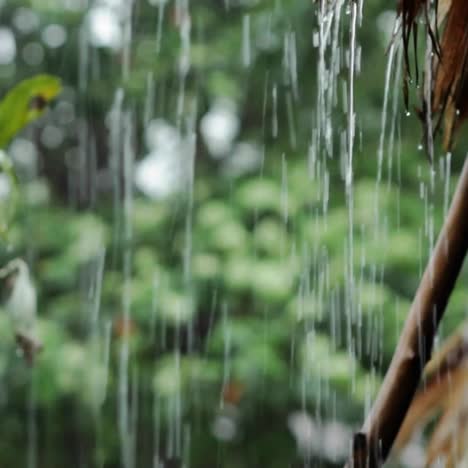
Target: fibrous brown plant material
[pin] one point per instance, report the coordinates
(444, 391)
(450, 91)
(409, 12)
(437, 394)
(446, 73)
(448, 439)
(453, 351)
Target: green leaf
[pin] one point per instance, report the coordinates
(25, 103)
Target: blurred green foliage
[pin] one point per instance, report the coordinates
(259, 322)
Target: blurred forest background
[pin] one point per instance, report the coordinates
(182, 207)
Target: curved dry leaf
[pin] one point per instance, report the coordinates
(451, 430)
(450, 88)
(409, 11)
(453, 351)
(436, 395)
(459, 448)
(445, 375)
(453, 53)
(446, 70)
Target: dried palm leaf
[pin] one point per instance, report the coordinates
(445, 389)
(458, 449)
(437, 394)
(450, 355)
(445, 98)
(409, 12)
(447, 441)
(450, 90)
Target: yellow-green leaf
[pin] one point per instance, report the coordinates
(24, 103)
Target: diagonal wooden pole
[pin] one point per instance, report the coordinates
(373, 443)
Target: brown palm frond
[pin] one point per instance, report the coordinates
(447, 440)
(450, 89)
(446, 74)
(445, 390)
(453, 351)
(437, 394)
(458, 445)
(409, 11)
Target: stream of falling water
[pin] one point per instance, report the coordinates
(350, 284)
(331, 60)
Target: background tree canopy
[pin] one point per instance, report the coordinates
(206, 295)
